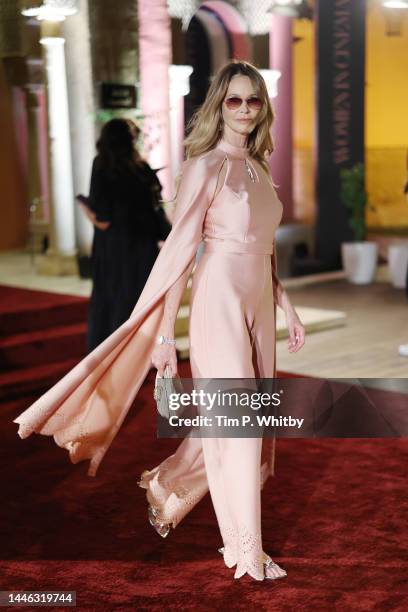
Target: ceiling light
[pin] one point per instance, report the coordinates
(49, 10)
(396, 4)
(290, 8)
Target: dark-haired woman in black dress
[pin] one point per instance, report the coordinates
(123, 205)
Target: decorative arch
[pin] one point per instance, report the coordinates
(234, 24)
(216, 33)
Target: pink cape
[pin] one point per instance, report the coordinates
(86, 408)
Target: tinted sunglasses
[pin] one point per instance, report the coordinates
(234, 102)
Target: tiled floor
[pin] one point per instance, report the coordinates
(360, 327)
(17, 269)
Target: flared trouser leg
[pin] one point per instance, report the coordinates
(233, 335)
(233, 473)
(178, 483)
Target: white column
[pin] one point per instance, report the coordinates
(62, 196)
(179, 87)
(154, 61)
(81, 114)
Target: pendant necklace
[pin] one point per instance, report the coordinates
(250, 172)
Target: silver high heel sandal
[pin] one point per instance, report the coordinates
(268, 564)
(162, 528)
(277, 569)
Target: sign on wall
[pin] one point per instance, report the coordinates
(340, 70)
(116, 95)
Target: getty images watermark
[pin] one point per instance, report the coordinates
(286, 407)
(212, 401)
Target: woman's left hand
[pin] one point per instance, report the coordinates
(296, 331)
(88, 212)
(102, 225)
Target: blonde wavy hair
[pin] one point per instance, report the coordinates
(206, 125)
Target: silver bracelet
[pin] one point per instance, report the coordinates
(164, 340)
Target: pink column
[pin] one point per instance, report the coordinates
(281, 58)
(154, 61)
(43, 150)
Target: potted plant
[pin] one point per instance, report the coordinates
(359, 257)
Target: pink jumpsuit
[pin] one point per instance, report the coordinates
(232, 335)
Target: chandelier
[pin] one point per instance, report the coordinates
(396, 4)
(49, 10)
(290, 8)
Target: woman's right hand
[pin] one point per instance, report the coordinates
(162, 355)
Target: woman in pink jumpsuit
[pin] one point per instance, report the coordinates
(226, 197)
(232, 330)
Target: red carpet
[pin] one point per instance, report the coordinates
(334, 516)
(42, 336)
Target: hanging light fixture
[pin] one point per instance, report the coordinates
(392, 15)
(290, 8)
(395, 4)
(49, 10)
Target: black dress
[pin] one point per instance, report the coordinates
(124, 254)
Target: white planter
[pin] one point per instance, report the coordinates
(359, 261)
(398, 264)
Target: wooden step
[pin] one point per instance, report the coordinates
(313, 319)
(36, 379)
(30, 314)
(42, 346)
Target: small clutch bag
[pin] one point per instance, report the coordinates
(163, 388)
